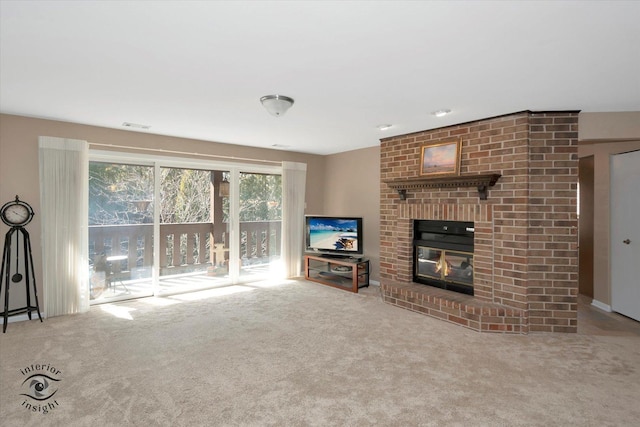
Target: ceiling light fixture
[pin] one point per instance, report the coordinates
(276, 105)
(384, 127)
(441, 113)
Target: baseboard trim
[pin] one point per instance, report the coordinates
(601, 306)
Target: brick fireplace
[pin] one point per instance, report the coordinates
(525, 241)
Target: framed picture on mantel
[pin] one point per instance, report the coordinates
(441, 158)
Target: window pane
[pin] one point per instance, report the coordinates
(260, 224)
(120, 231)
(193, 250)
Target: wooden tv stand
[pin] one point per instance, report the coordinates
(342, 273)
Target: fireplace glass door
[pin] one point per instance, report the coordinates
(444, 265)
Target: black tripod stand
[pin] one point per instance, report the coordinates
(29, 276)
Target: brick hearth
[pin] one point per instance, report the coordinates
(453, 307)
(525, 262)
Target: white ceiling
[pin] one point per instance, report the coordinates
(198, 69)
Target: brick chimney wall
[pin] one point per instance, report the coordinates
(526, 253)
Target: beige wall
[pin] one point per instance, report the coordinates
(602, 135)
(352, 187)
(19, 166)
(599, 127)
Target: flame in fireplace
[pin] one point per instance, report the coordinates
(443, 265)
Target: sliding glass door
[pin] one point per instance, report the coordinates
(193, 230)
(160, 227)
(260, 236)
(120, 231)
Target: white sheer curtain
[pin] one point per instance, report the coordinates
(64, 180)
(294, 177)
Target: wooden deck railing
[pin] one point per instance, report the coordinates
(113, 240)
(181, 245)
(260, 239)
(185, 244)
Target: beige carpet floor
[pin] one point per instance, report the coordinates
(303, 354)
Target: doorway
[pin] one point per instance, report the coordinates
(585, 225)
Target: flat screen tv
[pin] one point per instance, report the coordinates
(340, 236)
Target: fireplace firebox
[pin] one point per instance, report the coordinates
(443, 254)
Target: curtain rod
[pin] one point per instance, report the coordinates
(162, 150)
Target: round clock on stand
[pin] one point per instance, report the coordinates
(16, 214)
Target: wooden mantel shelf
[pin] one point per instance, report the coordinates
(482, 182)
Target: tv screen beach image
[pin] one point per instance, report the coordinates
(333, 234)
